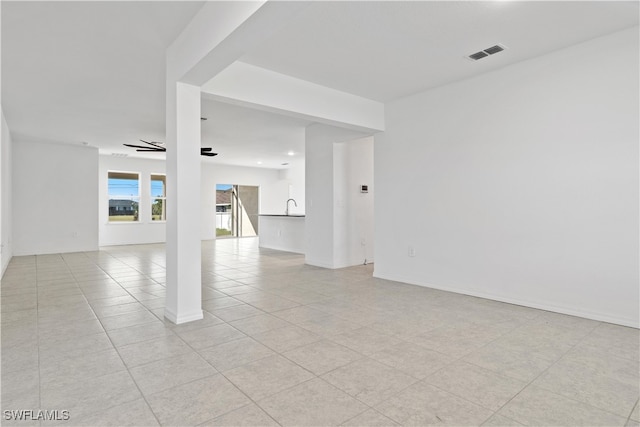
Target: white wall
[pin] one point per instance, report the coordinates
(283, 233)
(354, 212)
(126, 233)
(520, 185)
(319, 197)
(273, 195)
(6, 241)
(55, 198)
(273, 190)
(338, 216)
(293, 179)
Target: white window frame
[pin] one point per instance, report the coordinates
(154, 198)
(134, 198)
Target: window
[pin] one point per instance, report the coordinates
(158, 197)
(124, 196)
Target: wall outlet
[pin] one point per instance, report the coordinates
(411, 251)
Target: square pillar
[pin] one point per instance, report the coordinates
(184, 282)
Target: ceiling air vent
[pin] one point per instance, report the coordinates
(486, 52)
(478, 55)
(494, 49)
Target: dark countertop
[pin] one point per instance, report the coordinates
(284, 216)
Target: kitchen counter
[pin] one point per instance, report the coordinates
(285, 216)
(282, 232)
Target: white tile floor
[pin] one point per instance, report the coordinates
(288, 344)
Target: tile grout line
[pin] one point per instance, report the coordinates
(349, 295)
(38, 337)
(121, 359)
(280, 391)
(199, 355)
(225, 377)
(631, 413)
(500, 374)
(363, 356)
(38, 322)
(552, 365)
(461, 359)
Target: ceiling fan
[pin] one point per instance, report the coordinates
(158, 147)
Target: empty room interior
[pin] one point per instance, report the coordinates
(320, 213)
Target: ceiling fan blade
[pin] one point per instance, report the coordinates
(154, 147)
(155, 144)
(134, 146)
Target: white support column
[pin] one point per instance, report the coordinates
(184, 282)
(318, 198)
(218, 35)
(323, 203)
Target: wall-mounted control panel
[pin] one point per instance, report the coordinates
(364, 188)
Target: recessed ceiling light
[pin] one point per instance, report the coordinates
(259, 162)
(291, 153)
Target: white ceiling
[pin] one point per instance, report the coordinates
(94, 71)
(88, 71)
(386, 50)
(245, 136)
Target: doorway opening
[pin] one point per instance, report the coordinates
(237, 208)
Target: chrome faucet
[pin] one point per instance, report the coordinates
(286, 212)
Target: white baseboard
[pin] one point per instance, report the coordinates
(541, 305)
(183, 317)
(352, 263)
(4, 265)
(336, 265)
(319, 263)
(282, 248)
